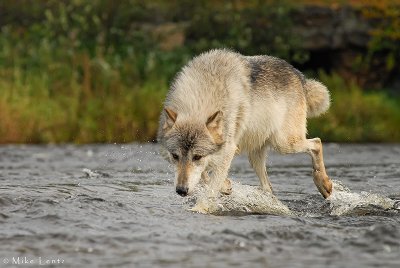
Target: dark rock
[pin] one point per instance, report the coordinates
(324, 28)
(338, 40)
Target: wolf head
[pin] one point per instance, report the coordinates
(190, 143)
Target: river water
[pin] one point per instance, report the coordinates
(115, 206)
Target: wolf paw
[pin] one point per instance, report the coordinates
(323, 183)
(199, 208)
(227, 187)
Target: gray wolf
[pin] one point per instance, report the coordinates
(223, 103)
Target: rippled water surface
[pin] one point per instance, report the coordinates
(115, 206)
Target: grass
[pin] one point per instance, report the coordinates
(95, 106)
(82, 105)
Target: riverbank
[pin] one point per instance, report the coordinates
(98, 71)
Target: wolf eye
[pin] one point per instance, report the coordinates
(196, 157)
(175, 156)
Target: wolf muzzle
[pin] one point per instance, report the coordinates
(182, 190)
(184, 169)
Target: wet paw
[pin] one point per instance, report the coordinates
(227, 187)
(323, 183)
(328, 186)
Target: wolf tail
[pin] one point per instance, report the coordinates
(318, 98)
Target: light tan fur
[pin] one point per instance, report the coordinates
(318, 99)
(223, 103)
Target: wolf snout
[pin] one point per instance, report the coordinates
(182, 190)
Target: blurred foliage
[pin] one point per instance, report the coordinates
(377, 63)
(356, 116)
(237, 24)
(385, 32)
(97, 71)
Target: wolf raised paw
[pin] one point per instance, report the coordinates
(323, 183)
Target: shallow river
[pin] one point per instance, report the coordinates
(115, 206)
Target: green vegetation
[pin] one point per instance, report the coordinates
(74, 73)
(97, 71)
(357, 116)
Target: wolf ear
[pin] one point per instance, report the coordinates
(171, 118)
(215, 127)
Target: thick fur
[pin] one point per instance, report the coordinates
(318, 99)
(223, 103)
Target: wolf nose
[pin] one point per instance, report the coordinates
(182, 190)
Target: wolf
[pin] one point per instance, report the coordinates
(223, 103)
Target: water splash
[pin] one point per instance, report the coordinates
(343, 202)
(88, 173)
(245, 199)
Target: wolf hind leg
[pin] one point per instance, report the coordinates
(257, 159)
(313, 147)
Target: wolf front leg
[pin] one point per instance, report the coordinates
(218, 178)
(226, 187)
(217, 181)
